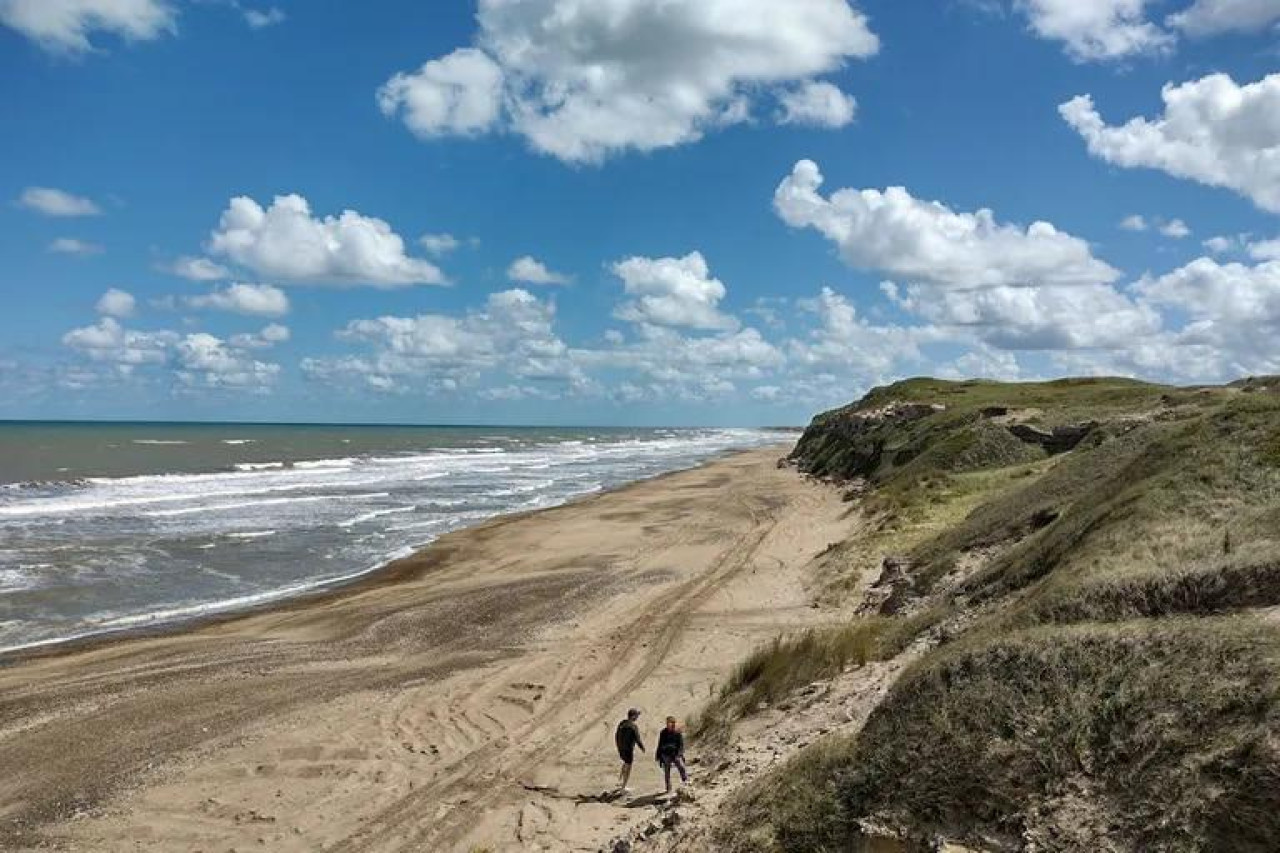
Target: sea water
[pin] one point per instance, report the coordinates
(105, 527)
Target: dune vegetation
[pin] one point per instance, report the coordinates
(1093, 568)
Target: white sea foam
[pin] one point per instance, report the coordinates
(109, 623)
(24, 577)
(377, 513)
(316, 464)
(266, 530)
(156, 441)
(224, 507)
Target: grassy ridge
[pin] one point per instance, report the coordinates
(1130, 737)
(1117, 685)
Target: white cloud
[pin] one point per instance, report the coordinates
(286, 242)
(1094, 30)
(970, 279)
(116, 303)
(108, 341)
(1221, 321)
(842, 340)
(257, 300)
(439, 244)
(1265, 250)
(1134, 222)
(267, 337)
(672, 292)
(1175, 228)
(1221, 244)
(1049, 317)
(198, 269)
(517, 392)
(1233, 311)
(274, 333)
(204, 361)
(983, 362)
(508, 349)
(1213, 131)
(259, 18)
(72, 246)
(64, 26)
(1207, 289)
(817, 103)
(511, 336)
(930, 243)
(55, 202)
(458, 94)
(530, 270)
(582, 79)
(672, 364)
(193, 361)
(1211, 17)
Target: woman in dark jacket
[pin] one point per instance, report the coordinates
(670, 752)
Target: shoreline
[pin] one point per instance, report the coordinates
(392, 571)
(462, 698)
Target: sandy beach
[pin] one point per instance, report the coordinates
(463, 699)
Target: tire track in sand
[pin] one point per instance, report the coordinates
(469, 783)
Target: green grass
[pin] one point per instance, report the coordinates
(1221, 586)
(774, 671)
(1155, 736)
(1113, 689)
(958, 437)
(1158, 498)
(909, 527)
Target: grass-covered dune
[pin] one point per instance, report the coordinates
(1093, 564)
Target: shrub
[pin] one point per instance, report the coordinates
(1142, 736)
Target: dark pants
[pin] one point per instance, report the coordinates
(667, 764)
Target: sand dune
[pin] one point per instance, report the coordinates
(463, 700)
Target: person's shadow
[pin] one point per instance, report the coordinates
(614, 796)
(647, 801)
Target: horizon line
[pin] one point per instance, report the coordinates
(136, 421)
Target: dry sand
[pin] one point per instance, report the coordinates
(464, 699)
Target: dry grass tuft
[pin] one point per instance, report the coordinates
(774, 671)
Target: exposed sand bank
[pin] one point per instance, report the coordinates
(464, 699)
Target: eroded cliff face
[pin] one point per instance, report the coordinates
(851, 441)
(891, 429)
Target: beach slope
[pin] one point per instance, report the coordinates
(462, 699)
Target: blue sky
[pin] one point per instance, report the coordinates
(625, 211)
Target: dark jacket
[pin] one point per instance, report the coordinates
(670, 745)
(627, 737)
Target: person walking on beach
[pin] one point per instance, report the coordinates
(627, 738)
(670, 752)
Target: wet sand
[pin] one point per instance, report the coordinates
(462, 699)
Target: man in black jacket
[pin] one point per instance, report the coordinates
(627, 738)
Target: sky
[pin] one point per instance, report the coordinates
(634, 212)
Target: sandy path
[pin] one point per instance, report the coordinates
(465, 702)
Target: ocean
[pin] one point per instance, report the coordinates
(111, 526)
